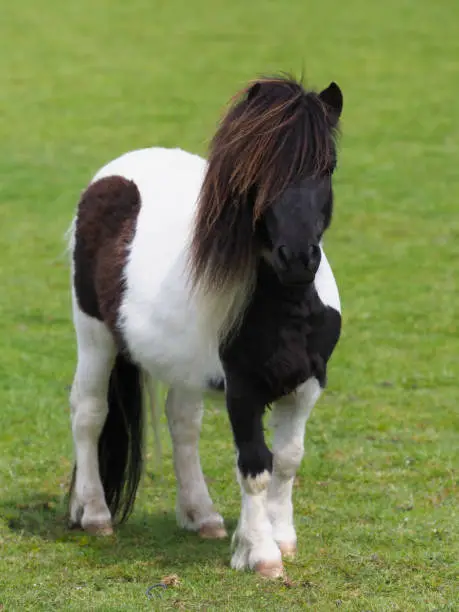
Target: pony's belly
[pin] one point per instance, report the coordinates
(163, 335)
(174, 360)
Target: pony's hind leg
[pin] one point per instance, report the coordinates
(89, 409)
(289, 422)
(195, 510)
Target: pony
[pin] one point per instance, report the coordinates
(208, 275)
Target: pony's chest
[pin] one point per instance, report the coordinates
(271, 350)
(276, 363)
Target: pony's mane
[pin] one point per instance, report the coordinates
(274, 133)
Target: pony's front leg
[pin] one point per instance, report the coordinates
(289, 423)
(253, 543)
(195, 510)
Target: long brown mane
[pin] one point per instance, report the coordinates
(274, 133)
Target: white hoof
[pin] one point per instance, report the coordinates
(288, 549)
(271, 569)
(213, 531)
(285, 535)
(264, 557)
(99, 529)
(93, 517)
(286, 540)
(207, 525)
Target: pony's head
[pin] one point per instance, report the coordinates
(267, 191)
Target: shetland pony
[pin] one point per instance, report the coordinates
(208, 275)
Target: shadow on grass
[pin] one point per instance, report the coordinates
(144, 537)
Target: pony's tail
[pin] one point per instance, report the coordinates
(121, 441)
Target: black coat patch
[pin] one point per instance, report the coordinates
(287, 336)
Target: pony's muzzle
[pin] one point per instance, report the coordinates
(296, 268)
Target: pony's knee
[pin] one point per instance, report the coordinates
(89, 417)
(255, 466)
(254, 485)
(288, 458)
(184, 417)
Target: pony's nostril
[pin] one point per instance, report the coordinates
(313, 252)
(310, 256)
(283, 254)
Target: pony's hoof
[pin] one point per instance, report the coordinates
(99, 529)
(288, 549)
(74, 525)
(212, 531)
(269, 569)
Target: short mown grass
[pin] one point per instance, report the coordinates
(377, 495)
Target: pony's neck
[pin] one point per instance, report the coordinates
(222, 310)
(268, 282)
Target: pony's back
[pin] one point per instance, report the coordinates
(168, 181)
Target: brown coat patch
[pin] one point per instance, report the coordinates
(105, 226)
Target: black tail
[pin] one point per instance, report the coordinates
(121, 441)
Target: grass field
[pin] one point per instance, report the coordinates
(377, 495)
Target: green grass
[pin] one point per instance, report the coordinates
(377, 495)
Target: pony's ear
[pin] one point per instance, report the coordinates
(253, 91)
(333, 98)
